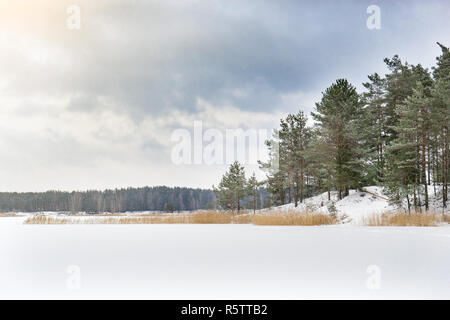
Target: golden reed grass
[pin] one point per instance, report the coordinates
(266, 218)
(199, 217)
(293, 219)
(446, 218)
(8, 214)
(42, 219)
(401, 219)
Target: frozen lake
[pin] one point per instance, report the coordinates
(222, 262)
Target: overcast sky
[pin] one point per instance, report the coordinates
(95, 107)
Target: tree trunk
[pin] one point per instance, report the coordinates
(328, 185)
(429, 165)
(424, 167)
(409, 204)
(444, 173)
(254, 201)
(301, 180)
(295, 191)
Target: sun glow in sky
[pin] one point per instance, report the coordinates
(95, 106)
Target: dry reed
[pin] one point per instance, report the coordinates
(198, 217)
(293, 219)
(268, 218)
(430, 219)
(7, 215)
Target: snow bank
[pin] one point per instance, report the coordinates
(357, 205)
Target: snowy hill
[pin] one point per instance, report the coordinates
(353, 207)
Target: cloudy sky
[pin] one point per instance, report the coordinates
(95, 106)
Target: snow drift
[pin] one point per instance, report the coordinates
(356, 206)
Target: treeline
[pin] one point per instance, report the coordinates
(118, 200)
(395, 134)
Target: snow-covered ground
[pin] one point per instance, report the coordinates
(356, 205)
(222, 261)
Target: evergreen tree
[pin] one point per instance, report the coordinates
(441, 120)
(252, 187)
(398, 85)
(319, 156)
(375, 127)
(276, 169)
(406, 166)
(338, 115)
(232, 188)
(294, 139)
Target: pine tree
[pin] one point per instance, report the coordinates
(441, 120)
(276, 169)
(401, 169)
(252, 187)
(398, 85)
(232, 188)
(294, 138)
(337, 116)
(415, 121)
(319, 155)
(375, 126)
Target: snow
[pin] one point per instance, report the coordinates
(223, 261)
(357, 205)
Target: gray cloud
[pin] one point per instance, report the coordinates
(154, 56)
(137, 68)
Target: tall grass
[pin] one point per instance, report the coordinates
(402, 219)
(198, 217)
(7, 215)
(446, 218)
(293, 219)
(267, 218)
(204, 217)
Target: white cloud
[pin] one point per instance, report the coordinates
(95, 108)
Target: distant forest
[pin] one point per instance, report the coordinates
(161, 198)
(119, 200)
